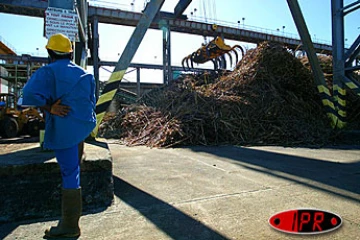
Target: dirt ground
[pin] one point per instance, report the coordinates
(14, 144)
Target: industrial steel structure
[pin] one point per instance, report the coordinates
(346, 61)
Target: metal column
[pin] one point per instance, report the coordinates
(352, 55)
(338, 42)
(16, 81)
(138, 83)
(313, 60)
(28, 69)
(167, 53)
(150, 11)
(306, 41)
(82, 47)
(95, 54)
(343, 61)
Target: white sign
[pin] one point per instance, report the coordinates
(65, 21)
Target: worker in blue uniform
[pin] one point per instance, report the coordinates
(67, 94)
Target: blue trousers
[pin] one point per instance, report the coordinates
(68, 160)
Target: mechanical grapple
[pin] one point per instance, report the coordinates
(214, 51)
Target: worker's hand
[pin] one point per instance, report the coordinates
(59, 110)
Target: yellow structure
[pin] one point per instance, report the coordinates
(4, 49)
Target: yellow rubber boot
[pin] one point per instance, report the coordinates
(71, 207)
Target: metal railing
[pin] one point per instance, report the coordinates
(279, 32)
(127, 7)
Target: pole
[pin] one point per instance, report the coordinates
(338, 43)
(150, 11)
(166, 54)
(314, 62)
(138, 83)
(95, 55)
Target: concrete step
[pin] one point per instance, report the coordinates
(31, 182)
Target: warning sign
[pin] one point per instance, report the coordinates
(65, 21)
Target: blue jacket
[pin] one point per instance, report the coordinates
(63, 80)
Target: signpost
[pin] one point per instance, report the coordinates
(59, 20)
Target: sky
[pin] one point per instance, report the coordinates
(25, 34)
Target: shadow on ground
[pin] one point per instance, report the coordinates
(338, 178)
(176, 224)
(326, 176)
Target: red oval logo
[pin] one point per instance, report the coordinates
(305, 221)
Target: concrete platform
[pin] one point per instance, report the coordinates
(31, 181)
(222, 192)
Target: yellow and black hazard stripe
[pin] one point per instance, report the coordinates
(352, 86)
(106, 97)
(340, 104)
(340, 98)
(327, 101)
(151, 10)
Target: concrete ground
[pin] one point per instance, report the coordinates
(224, 192)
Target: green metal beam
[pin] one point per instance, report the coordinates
(167, 73)
(65, 4)
(181, 7)
(82, 46)
(150, 11)
(306, 40)
(319, 78)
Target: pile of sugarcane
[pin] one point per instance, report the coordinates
(270, 98)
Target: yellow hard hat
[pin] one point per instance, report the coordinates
(60, 43)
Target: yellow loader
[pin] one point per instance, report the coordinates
(15, 120)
